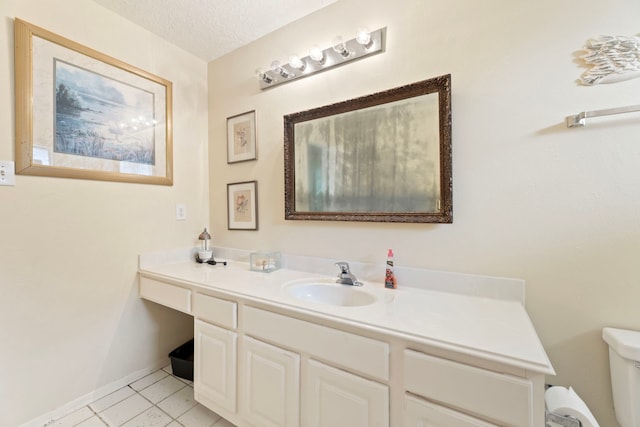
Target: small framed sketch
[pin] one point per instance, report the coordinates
(242, 205)
(241, 137)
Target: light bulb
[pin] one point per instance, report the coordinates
(263, 76)
(340, 47)
(297, 63)
(317, 54)
(277, 68)
(363, 37)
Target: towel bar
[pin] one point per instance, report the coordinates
(580, 119)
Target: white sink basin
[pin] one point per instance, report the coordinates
(325, 292)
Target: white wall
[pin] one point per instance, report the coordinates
(532, 199)
(70, 318)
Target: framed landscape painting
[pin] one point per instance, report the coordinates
(83, 114)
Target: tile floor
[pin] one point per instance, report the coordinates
(158, 400)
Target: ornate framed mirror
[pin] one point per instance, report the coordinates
(384, 157)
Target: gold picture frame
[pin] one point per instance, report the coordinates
(242, 137)
(242, 205)
(83, 114)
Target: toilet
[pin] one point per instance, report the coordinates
(624, 362)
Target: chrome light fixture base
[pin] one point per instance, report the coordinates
(333, 56)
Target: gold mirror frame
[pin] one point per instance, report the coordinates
(439, 194)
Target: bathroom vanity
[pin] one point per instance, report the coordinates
(293, 348)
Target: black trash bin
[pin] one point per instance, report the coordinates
(182, 361)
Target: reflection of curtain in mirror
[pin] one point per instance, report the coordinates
(379, 159)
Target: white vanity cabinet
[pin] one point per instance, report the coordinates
(261, 361)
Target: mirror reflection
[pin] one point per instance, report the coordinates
(382, 158)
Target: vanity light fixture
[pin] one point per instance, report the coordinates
(365, 43)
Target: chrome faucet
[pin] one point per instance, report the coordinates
(346, 277)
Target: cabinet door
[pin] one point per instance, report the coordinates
(335, 398)
(270, 385)
(214, 379)
(420, 413)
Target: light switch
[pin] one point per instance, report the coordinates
(181, 212)
(7, 173)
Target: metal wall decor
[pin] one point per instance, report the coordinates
(611, 59)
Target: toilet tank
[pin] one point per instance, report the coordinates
(624, 363)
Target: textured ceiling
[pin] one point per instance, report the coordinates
(212, 28)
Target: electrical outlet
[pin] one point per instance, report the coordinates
(7, 173)
(181, 212)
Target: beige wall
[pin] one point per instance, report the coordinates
(532, 199)
(70, 318)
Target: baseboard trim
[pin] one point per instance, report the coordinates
(103, 391)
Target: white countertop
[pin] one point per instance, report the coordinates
(492, 329)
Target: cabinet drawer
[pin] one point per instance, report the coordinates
(499, 397)
(419, 413)
(215, 310)
(166, 294)
(353, 352)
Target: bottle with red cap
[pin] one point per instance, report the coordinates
(389, 277)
